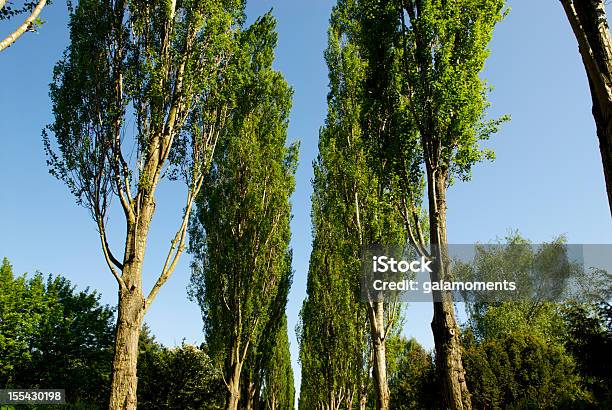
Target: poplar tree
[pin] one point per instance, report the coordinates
(140, 94)
(443, 46)
(278, 390)
(262, 382)
(342, 337)
(241, 232)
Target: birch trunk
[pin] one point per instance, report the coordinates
(444, 327)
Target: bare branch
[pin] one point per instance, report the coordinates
(108, 255)
(177, 245)
(25, 26)
(418, 242)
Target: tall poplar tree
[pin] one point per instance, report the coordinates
(141, 93)
(267, 372)
(351, 209)
(444, 45)
(241, 232)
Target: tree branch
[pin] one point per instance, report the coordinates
(24, 26)
(108, 255)
(177, 245)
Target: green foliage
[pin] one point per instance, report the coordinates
(542, 274)
(166, 66)
(444, 47)
(589, 339)
(350, 208)
(240, 235)
(278, 385)
(521, 370)
(411, 375)
(177, 378)
(532, 352)
(52, 336)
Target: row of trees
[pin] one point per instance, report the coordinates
(394, 128)
(207, 109)
(406, 117)
(528, 353)
(521, 354)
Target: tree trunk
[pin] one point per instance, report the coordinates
(590, 26)
(363, 400)
(132, 308)
(250, 396)
(380, 359)
(129, 323)
(444, 327)
(233, 382)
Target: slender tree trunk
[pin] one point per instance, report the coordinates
(363, 400)
(349, 401)
(444, 327)
(590, 26)
(250, 396)
(233, 382)
(377, 324)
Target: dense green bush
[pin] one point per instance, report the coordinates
(52, 336)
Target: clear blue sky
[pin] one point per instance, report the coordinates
(547, 178)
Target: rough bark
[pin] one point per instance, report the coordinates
(590, 26)
(444, 326)
(233, 380)
(380, 358)
(124, 380)
(132, 308)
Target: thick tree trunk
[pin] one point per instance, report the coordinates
(233, 390)
(590, 26)
(132, 308)
(380, 358)
(124, 378)
(444, 327)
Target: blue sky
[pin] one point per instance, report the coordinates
(547, 178)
